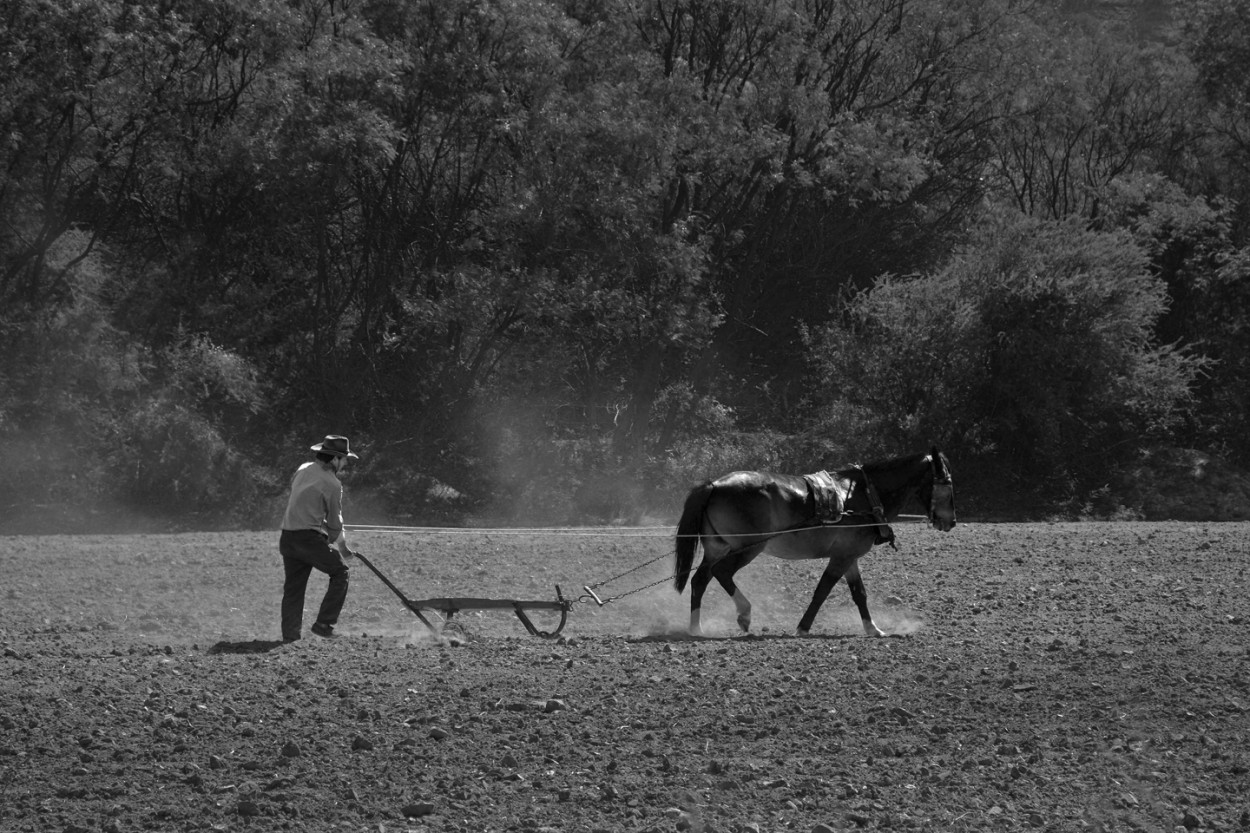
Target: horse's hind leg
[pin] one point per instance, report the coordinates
(698, 584)
(724, 573)
(860, 596)
(723, 569)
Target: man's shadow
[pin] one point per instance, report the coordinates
(255, 646)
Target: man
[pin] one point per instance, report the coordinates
(313, 537)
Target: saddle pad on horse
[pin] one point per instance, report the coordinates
(829, 494)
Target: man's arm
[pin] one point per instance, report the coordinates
(341, 543)
(334, 522)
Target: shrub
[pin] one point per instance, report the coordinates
(173, 461)
(1032, 347)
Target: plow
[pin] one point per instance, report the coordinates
(449, 606)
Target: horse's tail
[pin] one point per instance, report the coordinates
(688, 530)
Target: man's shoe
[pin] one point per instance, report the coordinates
(324, 631)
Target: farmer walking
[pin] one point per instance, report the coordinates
(313, 537)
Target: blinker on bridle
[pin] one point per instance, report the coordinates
(940, 482)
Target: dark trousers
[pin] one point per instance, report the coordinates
(302, 551)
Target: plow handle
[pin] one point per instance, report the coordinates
(408, 604)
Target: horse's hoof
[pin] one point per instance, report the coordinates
(744, 622)
(802, 632)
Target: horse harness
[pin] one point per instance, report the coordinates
(827, 495)
(885, 535)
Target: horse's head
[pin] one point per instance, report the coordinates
(939, 493)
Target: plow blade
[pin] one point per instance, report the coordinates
(453, 605)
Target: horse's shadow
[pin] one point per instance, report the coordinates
(254, 646)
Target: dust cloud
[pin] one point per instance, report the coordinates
(779, 592)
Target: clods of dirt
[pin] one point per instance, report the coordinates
(1048, 677)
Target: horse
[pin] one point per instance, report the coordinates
(742, 514)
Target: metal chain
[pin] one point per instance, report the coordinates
(630, 570)
(640, 589)
(610, 599)
(602, 602)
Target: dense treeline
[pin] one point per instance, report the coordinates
(553, 261)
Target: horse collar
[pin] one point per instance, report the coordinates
(885, 535)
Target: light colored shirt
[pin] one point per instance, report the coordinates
(316, 501)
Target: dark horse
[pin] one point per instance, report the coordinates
(745, 513)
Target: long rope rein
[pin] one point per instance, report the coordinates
(595, 531)
(614, 532)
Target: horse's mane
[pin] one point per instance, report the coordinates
(889, 466)
(893, 478)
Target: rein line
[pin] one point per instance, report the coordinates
(593, 531)
(616, 532)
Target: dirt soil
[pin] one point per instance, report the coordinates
(1044, 677)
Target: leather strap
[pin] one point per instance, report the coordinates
(885, 535)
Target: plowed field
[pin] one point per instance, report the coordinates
(1043, 677)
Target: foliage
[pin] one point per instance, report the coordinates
(553, 257)
(101, 421)
(1033, 347)
(171, 460)
(1183, 485)
(1083, 110)
(65, 372)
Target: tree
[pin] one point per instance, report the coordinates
(1189, 241)
(53, 152)
(847, 140)
(1080, 109)
(1033, 348)
(1217, 41)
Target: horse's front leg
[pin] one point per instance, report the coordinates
(860, 595)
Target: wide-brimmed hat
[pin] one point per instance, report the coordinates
(336, 445)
